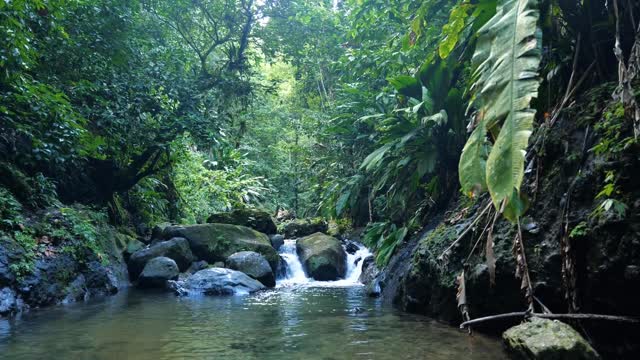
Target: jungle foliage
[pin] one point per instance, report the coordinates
(373, 111)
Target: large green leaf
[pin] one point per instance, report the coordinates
(506, 62)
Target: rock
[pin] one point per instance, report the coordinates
(76, 291)
(281, 271)
(322, 257)
(10, 253)
(351, 248)
(254, 265)
(177, 249)
(548, 340)
(132, 247)
(216, 242)
(219, 264)
(157, 271)
(197, 266)
(8, 302)
(370, 276)
(217, 281)
(277, 240)
(158, 230)
(357, 260)
(251, 218)
(303, 227)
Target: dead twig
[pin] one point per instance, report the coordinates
(465, 231)
(527, 314)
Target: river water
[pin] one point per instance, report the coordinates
(299, 319)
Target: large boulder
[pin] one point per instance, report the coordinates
(254, 265)
(177, 249)
(303, 227)
(216, 242)
(548, 340)
(322, 256)
(252, 218)
(157, 272)
(217, 281)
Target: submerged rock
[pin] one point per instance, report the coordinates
(322, 257)
(548, 340)
(216, 281)
(176, 249)
(216, 242)
(157, 272)
(303, 227)
(251, 218)
(254, 265)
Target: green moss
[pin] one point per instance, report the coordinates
(25, 265)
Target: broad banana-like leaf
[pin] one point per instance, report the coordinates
(506, 63)
(472, 167)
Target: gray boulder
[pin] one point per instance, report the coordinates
(216, 281)
(216, 242)
(277, 240)
(177, 249)
(548, 340)
(254, 265)
(157, 272)
(322, 257)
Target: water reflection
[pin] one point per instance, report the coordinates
(286, 323)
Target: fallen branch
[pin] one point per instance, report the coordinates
(526, 314)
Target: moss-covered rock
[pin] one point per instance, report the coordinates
(322, 256)
(256, 219)
(303, 227)
(216, 242)
(548, 340)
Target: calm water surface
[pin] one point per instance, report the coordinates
(298, 322)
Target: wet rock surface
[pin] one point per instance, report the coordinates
(254, 265)
(157, 272)
(216, 281)
(322, 256)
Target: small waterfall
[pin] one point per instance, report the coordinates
(295, 274)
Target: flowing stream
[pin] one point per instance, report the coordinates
(299, 319)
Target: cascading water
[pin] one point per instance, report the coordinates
(295, 274)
